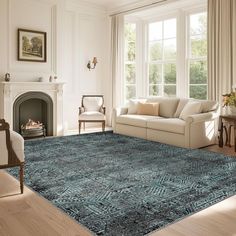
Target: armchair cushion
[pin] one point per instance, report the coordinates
(92, 103)
(17, 143)
(92, 115)
(3, 148)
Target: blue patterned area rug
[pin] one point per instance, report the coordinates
(117, 185)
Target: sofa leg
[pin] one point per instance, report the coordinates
(103, 126)
(22, 178)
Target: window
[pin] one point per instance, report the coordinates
(165, 52)
(162, 58)
(130, 61)
(197, 63)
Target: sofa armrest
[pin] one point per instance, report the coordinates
(120, 111)
(117, 112)
(202, 117)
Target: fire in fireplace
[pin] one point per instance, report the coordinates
(33, 129)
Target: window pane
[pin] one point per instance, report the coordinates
(170, 74)
(198, 24)
(155, 72)
(198, 72)
(130, 91)
(130, 51)
(155, 51)
(130, 73)
(170, 49)
(170, 28)
(169, 90)
(154, 90)
(155, 31)
(198, 46)
(130, 32)
(198, 91)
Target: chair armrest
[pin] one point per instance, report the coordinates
(81, 110)
(202, 117)
(103, 110)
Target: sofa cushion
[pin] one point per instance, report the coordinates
(180, 107)
(135, 120)
(167, 105)
(190, 108)
(173, 125)
(151, 109)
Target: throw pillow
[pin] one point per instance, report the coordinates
(151, 109)
(180, 107)
(133, 105)
(190, 108)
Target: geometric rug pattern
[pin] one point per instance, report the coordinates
(118, 185)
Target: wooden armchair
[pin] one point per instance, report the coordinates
(92, 110)
(12, 150)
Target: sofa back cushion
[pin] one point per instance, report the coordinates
(167, 107)
(151, 109)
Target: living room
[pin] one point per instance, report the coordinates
(120, 103)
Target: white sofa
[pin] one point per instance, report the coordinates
(170, 126)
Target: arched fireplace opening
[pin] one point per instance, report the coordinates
(33, 115)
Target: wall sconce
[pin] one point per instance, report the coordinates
(94, 62)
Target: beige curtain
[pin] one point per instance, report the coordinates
(117, 48)
(221, 47)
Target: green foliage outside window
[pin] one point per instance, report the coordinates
(198, 91)
(170, 73)
(130, 73)
(198, 72)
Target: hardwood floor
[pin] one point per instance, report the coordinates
(31, 215)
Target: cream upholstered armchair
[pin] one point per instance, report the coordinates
(92, 110)
(12, 150)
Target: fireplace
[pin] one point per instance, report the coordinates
(47, 97)
(33, 115)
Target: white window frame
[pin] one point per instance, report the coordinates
(163, 61)
(189, 58)
(182, 15)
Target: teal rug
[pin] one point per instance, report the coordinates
(117, 185)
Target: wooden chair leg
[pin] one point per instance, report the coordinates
(103, 126)
(79, 126)
(231, 126)
(22, 178)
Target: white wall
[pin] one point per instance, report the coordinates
(76, 32)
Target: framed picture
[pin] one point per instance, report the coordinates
(32, 45)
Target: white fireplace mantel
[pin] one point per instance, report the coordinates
(10, 91)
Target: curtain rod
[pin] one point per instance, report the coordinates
(138, 8)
